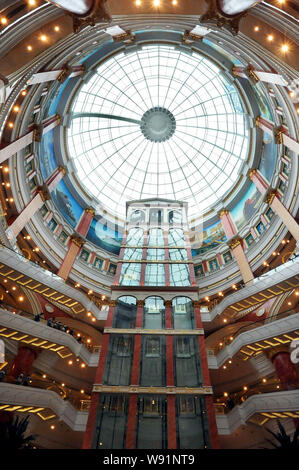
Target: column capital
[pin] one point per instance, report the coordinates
(278, 135)
(196, 303)
(77, 240)
(37, 132)
(215, 13)
(191, 36)
(112, 303)
(257, 120)
(270, 195)
(90, 210)
(234, 242)
(127, 35)
(251, 172)
(43, 192)
(63, 169)
(251, 73)
(223, 212)
(140, 303)
(168, 303)
(97, 14)
(65, 73)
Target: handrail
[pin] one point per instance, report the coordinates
(53, 281)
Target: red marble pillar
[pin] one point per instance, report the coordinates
(274, 202)
(236, 246)
(214, 438)
(76, 243)
(285, 370)
(139, 317)
(22, 363)
(168, 314)
(90, 426)
(131, 424)
(171, 422)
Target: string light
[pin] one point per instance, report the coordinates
(16, 108)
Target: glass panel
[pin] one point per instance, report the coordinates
(179, 275)
(125, 313)
(176, 237)
(175, 217)
(155, 254)
(153, 367)
(153, 313)
(130, 274)
(111, 422)
(151, 432)
(154, 275)
(198, 163)
(135, 237)
(133, 254)
(118, 360)
(155, 237)
(192, 422)
(187, 362)
(177, 254)
(155, 216)
(182, 313)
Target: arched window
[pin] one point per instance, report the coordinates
(125, 312)
(182, 313)
(155, 237)
(137, 217)
(153, 313)
(176, 237)
(135, 237)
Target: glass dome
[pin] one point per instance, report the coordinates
(158, 122)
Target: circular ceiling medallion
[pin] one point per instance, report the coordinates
(158, 124)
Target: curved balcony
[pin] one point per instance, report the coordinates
(20, 328)
(26, 273)
(275, 282)
(19, 396)
(267, 331)
(276, 402)
(42, 401)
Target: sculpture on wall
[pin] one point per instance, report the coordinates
(84, 12)
(228, 12)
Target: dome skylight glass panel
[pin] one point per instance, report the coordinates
(158, 122)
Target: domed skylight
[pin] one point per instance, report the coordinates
(158, 122)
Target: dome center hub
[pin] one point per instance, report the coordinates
(158, 124)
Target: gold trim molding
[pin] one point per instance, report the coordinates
(152, 390)
(143, 331)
